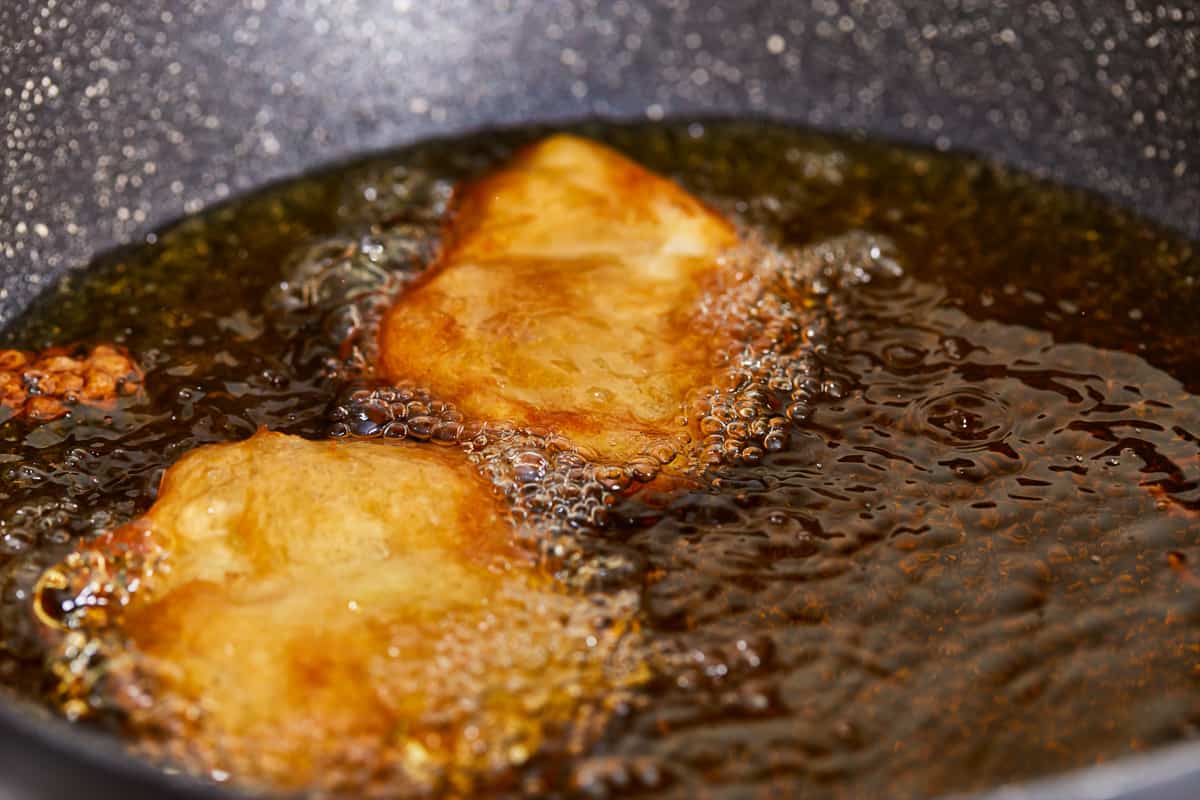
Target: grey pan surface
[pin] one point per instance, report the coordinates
(119, 116)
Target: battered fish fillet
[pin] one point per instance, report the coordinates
(43, 386)
(299, 613)
(567, 299)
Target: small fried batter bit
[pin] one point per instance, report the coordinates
(333, 615)
(568, 298)
(43, 386)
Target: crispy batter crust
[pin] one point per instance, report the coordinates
(567, 299)
(43, 386)
(289, 610)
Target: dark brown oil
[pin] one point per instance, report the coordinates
(973, 563)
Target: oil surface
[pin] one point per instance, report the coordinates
(970, 564)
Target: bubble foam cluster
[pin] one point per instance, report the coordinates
(335, 289)
(550, 489)
(782, 315)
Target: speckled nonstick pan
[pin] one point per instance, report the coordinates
(119, 116)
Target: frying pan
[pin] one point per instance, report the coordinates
(119, 116)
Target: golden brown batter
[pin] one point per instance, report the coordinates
(43, 386)
(568, 298)
(296, 607)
